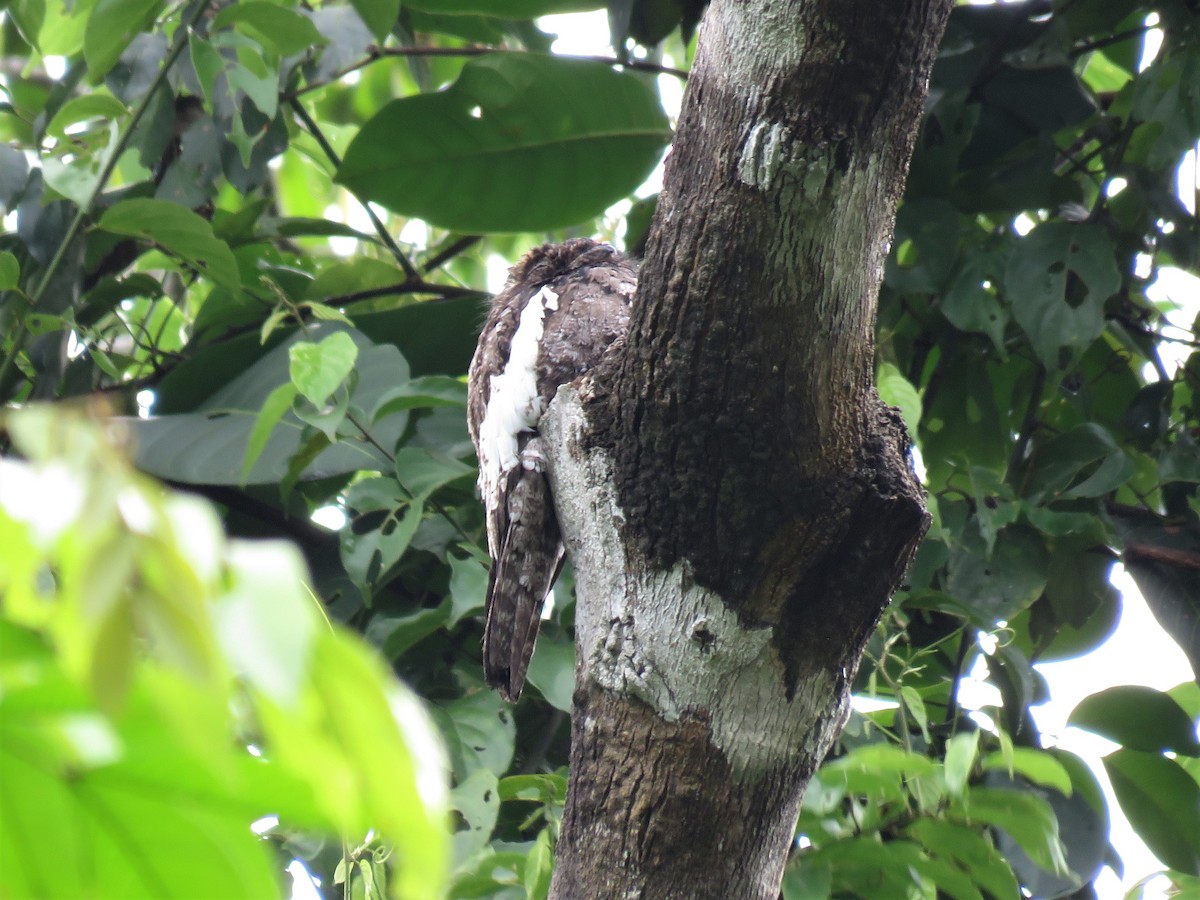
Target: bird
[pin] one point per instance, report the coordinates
(562, 309)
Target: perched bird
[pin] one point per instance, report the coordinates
(563, 307)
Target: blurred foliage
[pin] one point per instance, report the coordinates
(188, 194)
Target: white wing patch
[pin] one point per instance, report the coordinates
(513, 403)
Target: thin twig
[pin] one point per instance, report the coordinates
(439, 259)
(374, 54)
(310, 125)
(1101, 43)
(404, 287)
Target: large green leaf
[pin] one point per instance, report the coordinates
(1025, 816)
(110, 28)
(1057, 280)
(1139, 718)
(274, 26)
(1162, 803)
(518, 143)
(148, 824)
(970, 849)
(178, 231)
(207, 446)
(436, 337)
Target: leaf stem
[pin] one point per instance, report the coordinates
(7, 369)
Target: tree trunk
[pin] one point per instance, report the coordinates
(737, 503)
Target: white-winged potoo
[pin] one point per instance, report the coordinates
(563, 307)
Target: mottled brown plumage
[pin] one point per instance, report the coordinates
(563, 307)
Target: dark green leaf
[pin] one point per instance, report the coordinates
(273, 408)
(1038, 766)
(1026, 817)
(207, 446)
(1162, 803)
(423, 472)
(378, 15)
(477, 157)
(274, 26)
(110, 28)
(506, 9)
(177, 230)
(1139, 718)
(10, 271)
(971, 302)
(552, 670)
(970, 849)
(468, 586)
(369, 555)
(1057, 280)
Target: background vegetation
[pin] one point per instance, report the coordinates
(179, 178)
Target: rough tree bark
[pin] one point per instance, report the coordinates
(737, 502)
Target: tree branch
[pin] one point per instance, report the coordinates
(375, 54)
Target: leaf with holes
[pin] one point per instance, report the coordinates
(1057, 280)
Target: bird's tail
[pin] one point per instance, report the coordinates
(523, 573)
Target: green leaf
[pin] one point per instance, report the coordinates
(477, 156)
(468, 586)
(971, 302)
(178, 231)
(972, 851)
(1162, 803)
(545, 788)
(10, 271)
(379, 15)
(267, 622)
(477, 800)
(397, 634)
(1057, 280)
(276, 27)
(479, 731)
(552, 670)
(1009, 581)
(896, 390)
(1139, 718)
(539, 866)
(110, 28)
(915, 704)
(118, 836)
(80, 109)
(960, 760)
(277, 403)
(422, 472)
(1038, 766)
(78, 179)
(1059, 459)
(369, 555)
(422, 393)
(1165, 97)
(209, 66)
(504, 9)
(318, 369)
(1027, 818)
(208, 445)
(394, 757)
